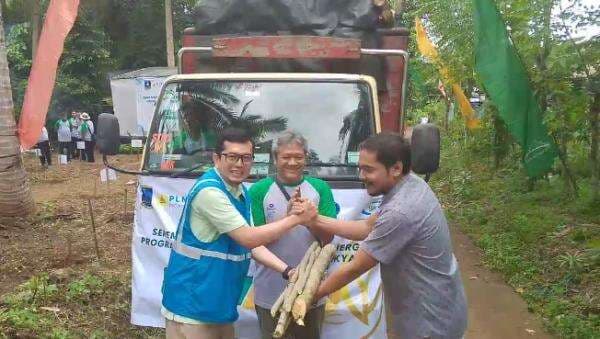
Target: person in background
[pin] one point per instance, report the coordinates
(75, 122)
(270, 202)
(63, 131)
(43, 145)
(87, 134)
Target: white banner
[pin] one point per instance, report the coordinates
(355, 311)
(148, 89)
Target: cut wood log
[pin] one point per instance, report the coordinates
(304, 300)
(303, 273)
(282, 325)
(290, 287)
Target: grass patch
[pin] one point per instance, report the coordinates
(90, 305)
(544, 241)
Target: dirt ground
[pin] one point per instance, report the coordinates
(495, 310)
(60, 234)
(60, 237)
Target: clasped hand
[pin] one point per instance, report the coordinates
(302, 207)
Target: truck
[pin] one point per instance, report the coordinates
(229, 81)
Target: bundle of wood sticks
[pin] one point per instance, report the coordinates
(298, 296)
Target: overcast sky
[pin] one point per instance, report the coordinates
(591, 31)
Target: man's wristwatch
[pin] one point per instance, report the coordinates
(286, 272)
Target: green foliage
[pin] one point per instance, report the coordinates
(86, 53)
(137, 29)
(543, 241)
(561, 69)
(108, 35)
(81, 78)
(19, 310)
(88, 306)
(127, 149)
(83, 289)
(18, 53)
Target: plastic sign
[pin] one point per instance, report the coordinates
(136, 143)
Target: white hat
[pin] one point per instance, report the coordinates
(85, 116)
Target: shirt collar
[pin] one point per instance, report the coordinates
(236, 191)
(388, 196)
(292, 184)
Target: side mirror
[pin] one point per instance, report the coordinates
(108, 135)
(425, 148)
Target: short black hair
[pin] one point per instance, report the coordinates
(233, 134)
(389, 149)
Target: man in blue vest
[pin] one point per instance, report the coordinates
(209, 261)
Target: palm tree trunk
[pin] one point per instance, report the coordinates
(15, 196)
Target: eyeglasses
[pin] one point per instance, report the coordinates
(233, 158)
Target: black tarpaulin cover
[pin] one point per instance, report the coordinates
(313, 17)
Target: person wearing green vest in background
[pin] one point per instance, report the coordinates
(204, 279)
(75, 121)
(63, 131)
(270, 201)
(87, 134)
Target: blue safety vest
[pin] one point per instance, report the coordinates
(204, 280)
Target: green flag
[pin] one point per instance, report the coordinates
(506, 82)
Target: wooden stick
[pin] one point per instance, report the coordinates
(282, 325)
(125, 204)
(107, 181)
(94, 229)
(303, 302)
(69, 248)
(302, 283)
(302, 273)
(285, 301)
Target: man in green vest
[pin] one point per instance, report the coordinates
(270, 200)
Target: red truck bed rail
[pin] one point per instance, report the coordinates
(391, 98)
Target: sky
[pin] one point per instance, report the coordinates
(592, 30)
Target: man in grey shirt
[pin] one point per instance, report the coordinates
(409, 238)
(270, 200)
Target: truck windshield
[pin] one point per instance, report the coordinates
(335, 117)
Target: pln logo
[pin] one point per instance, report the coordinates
(161, 198)
(170, 200)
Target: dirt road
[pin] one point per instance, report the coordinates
(496, 311)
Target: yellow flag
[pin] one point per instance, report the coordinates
(428, 50)
(425, 46)
(465, 107)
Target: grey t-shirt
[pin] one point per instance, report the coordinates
(423, 291)
(269, 205)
